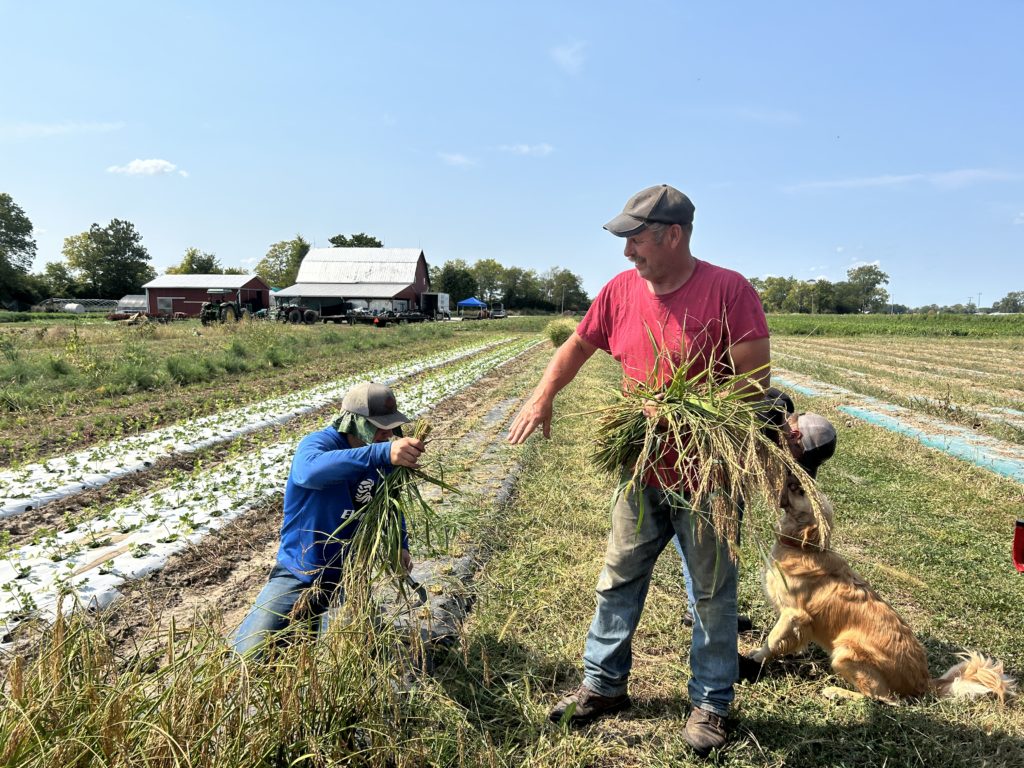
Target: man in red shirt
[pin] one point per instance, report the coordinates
(699, 315)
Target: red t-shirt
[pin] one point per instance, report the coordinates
(698, 322)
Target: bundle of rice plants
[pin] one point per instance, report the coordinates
(703, 436)
(374, 550)
(560, 330)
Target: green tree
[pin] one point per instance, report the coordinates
(109, 261)
(235, 271)
(454, 278)
(774, 292)
(196, 262)
(522, 289)
(564, 290)
(361, 240)
(1011, 302)
(863, 291)
(17, 248)
(489, 276)
(280, 266)
(60, 281)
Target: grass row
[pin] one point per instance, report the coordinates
(932, 535)
(898, 325)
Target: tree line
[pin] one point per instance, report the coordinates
(863, 291)
(107, 262)
(555, 290)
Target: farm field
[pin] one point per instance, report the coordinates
(184, 537)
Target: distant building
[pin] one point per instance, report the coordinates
(331, 280)
(168, 294)
(133, 302)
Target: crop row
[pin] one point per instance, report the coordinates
(929, 355)
(88, 563)
(30, 486)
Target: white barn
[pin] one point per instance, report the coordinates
(331, 280)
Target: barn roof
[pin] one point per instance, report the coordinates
(344, 290)
(201, 281)
(360, 265)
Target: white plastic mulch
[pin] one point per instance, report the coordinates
(33, 485)
(88, 564)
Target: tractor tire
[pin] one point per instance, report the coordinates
(228, 314)
(295, 316)
(309, 316)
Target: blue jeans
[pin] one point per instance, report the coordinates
(622, 590)
(691, 600)
(274, 607)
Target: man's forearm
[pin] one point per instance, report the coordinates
(563, 367)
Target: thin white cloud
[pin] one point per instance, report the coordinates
(840, 248)
(944, 180)
(570, 57)
(529, 150)
(48, 130)
(861, 263)
(456, 159)
(151, 167)
(1019, 219)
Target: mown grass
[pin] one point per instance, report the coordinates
(932, 535)
(897, 325)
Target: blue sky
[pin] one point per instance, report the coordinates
(812, 137)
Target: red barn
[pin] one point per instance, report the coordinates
(168, 294)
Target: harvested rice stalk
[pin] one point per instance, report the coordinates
(375, 548)
(702, 436)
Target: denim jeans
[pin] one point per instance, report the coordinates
(273, 609)
(622, 589)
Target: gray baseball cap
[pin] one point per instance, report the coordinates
(376, 403)
(818, 437)
(661, 204)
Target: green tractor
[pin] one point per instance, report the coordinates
(220, 308)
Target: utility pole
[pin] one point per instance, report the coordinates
(562, 310)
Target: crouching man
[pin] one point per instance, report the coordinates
(334, 473)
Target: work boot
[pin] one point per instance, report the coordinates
(705, 731)
(743, 623)
(587, 706)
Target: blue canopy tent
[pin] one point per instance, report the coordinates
(472, 301)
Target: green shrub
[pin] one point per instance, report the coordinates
(560, 330)
(190, 370)
(276, 357)
(59, 366)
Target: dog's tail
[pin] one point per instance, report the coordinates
(976, 675)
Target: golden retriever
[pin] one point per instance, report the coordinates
(821, 600)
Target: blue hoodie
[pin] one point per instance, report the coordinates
(328, 482)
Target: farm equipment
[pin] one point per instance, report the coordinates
(436, 306)
(220, 309)
(384, 318)
(295, 313)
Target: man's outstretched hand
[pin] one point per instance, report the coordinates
(536, 412)
(406, 451)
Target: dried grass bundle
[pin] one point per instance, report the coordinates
(375, 548)
(704, 434)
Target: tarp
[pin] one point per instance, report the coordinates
(472, 301)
